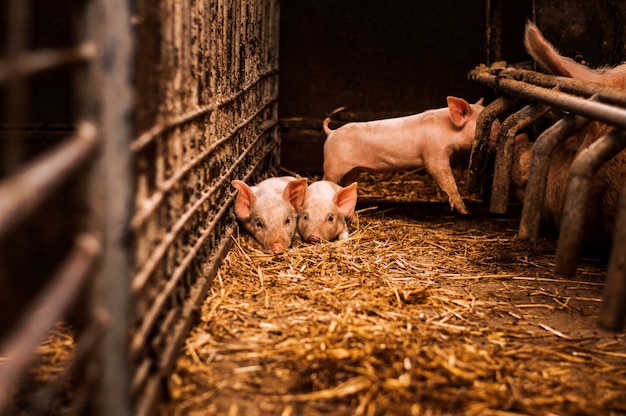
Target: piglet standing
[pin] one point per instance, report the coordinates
(325, 210)
(268, 210)
(426, 140)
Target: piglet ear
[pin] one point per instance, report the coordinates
(246, 200)
(345, 199)
(295, 192)
(460, 111)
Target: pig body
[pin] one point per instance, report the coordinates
(268, 210)
(325, 210)
(427, 140)
(608, 181)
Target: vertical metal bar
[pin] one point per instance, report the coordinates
(504, 156)
(114, 171)
(613, 310)
(50, 305)
(576, 204)
(16, 97)
(480, 145)
(493, 31)
(534, 194)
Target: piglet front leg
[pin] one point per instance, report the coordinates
(442, 172)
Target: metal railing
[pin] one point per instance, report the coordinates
(581, 102)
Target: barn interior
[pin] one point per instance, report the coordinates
(127, 286)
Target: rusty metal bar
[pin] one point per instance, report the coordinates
(480, 145)
(49, 306)
(603, 92)
(576, 204)
(534, 194)
(613, 309)
(115, 77)
(142, 277)
(147, 137)
(32, 62)
(600, 111)
(27, 190)
(153, 382)
(504, 155)
(150, 204)
(82, 389)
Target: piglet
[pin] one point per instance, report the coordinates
(268, 210)
(426, 140)
(325, 210)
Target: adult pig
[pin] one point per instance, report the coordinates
(608, 181)
(426, 140)
(268, 210)
(325, 210)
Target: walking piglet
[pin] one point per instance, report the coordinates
(325, 210)
(426, 140)
(268, 210)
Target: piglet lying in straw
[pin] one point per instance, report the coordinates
(268, 210)
(325, 210)
(426, 140)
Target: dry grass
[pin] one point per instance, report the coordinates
(416, 313)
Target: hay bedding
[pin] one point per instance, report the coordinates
(416, 313)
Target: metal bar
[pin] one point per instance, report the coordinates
(576, 204)
(22, 193)
(480, 145)
(603, 92)
(114, 75)
(603, 112)
(613, 309)
(140, 280)
(493, 32)
(542, 151)
(49, 306)
(147, 137)
(153, 381)
(28, 63)
(82, 389)
(150, 204)
(504, 154)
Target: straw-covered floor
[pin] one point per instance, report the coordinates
(418, 312)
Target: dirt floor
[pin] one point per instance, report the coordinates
(419, 312)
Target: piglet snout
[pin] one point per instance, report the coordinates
(314, 239)
(278, 247)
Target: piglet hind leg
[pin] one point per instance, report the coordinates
(444, 177)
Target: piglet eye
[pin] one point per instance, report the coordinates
(331, 218)
(305, 217)
(288, 221)
(258, 223)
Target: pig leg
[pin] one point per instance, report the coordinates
(442, 172)
(343, 178)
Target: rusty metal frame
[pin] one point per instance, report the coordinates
(586, 163)
(480, 145)
(504, 155)
(71, 291)
(613, 309)
(544, 146)
(585, 101)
